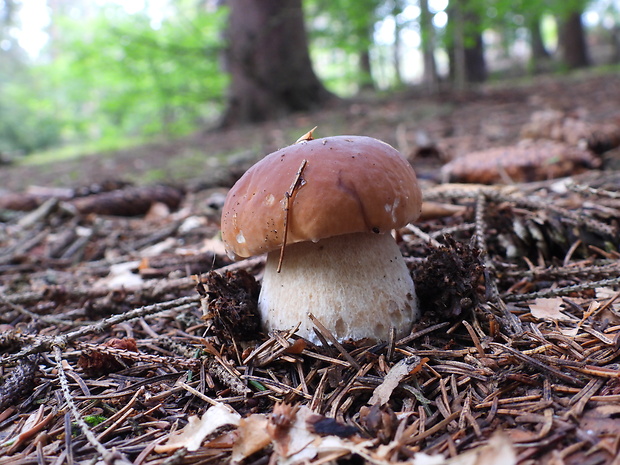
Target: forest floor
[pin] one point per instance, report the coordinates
(488, 117)
(128, 336)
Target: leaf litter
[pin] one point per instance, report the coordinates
(515, 360)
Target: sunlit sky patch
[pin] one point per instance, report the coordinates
(34, 18)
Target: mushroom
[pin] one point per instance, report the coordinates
(323, 210)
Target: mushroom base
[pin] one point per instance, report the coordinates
(357, 285)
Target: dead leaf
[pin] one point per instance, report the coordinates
(307, 136)
(296, 443)
(602, 420)
(197, 429)
(252, 437)
(499, 450)
(383, 392)
(293, 445)
(549, 309)
(121, 276)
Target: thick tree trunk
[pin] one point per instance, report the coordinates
(269, 63)
(573, 41)
(475, 64)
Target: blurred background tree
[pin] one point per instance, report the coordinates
(77, 71)
(268, 59)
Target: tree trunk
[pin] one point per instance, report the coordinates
(467, 62)
(573, 41)
(539, 53)
(429, 77)
(615, 37)
(269, 63)
(366, 83)
(475, 64)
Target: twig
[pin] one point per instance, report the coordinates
(541, 366)
(45, 343)
(297, 183)
(198, 394)
(111, 457)
(328, 335)
(554, 272)
(562, 290)
(119, 417)
(422, 235)
(154, 288)
(591, 190)
(577, 217)
(179, 362)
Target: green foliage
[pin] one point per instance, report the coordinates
(116, 75)
(94, 420)
(27, 121)
(340, 32)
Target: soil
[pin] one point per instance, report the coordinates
(489, 116)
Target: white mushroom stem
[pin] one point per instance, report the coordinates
(357, 285)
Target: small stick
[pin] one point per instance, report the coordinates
(111, 457)
(287, 210)
(324, 331)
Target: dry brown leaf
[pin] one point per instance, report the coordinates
(383, 392)
(499, 451)
(197, 429)
(294, 447)
(121, 276)
(296, 443)
(252, 437)
(602, 420)
(549, 309)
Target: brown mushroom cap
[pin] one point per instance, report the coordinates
(349, 184)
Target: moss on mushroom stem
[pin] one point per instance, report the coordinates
(357, 285)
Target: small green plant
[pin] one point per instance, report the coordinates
(94, 420)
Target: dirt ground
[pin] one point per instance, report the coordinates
(487, 117)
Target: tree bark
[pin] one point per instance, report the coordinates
(573, 41)
(467, 62)
(475, 64)
(615, 38)
(539, 53)
(367, 83)
(269, 63)
(537, 44)
(429, 77)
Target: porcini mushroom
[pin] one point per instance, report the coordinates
(336, 201)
